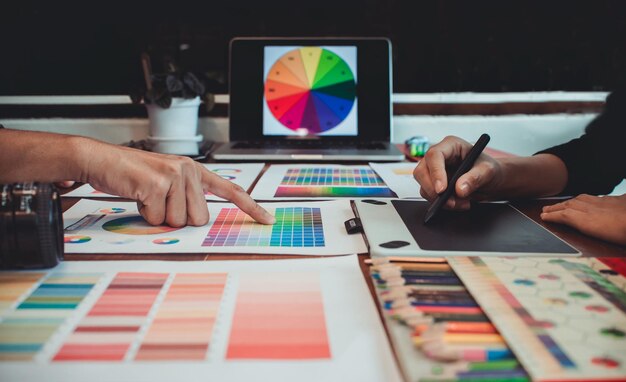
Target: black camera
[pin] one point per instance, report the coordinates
(31, 226)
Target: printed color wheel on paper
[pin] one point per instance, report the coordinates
(310, 88)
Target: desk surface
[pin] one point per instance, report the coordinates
(588, 246)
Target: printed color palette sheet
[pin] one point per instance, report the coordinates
(309, 319)
(320, 181)
(295, 227)
(564, 319)
(242, 174)
(314, 228)
(399, 177)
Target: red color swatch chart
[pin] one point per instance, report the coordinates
(183, 325)
(111, 326)
(279, 316)
(192, 321)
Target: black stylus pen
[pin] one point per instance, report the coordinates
(465, 166)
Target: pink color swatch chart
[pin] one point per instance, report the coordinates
(194, 321)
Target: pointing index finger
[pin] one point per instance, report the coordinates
(230, 191)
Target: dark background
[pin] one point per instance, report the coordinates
(439, 46)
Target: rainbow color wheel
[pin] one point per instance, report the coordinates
(310, 90)
(135, 225)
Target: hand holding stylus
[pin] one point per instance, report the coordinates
(478, 183)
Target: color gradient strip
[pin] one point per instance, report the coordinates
(111, 325)
(24, 331)
(323, 191)
(332, 177)
(183, 325)
(279, 316)
(294, 227)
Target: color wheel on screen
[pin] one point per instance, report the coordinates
(310, 90)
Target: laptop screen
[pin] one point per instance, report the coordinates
(335, 89)
(310, 91)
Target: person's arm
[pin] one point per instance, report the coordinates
(595, 161)
(540, 175)
(535, 176)
(168, 189)
(44, 157)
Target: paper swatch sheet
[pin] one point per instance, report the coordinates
(399, 177)
(279, 320)
(311, 181)
(312, 228)
(242, 174)
(565, 319)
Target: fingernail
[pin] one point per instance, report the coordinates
(269, 218)
(464, 187)
(438, 186)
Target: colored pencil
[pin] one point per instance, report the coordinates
(461, 327)
(468, 353)
(463, 338)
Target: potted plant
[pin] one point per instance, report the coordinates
(172, 99)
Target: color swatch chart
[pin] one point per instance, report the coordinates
(301, 228)
(329, 182)
(206, 320)
(310, 90)
(289, 181)
(113, 323)
(294, 227)
(332, 177)
(25, 329)
(279, 317)
(439, 330)
(565, 319)
(180, 330)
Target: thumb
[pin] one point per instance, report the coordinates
(472, 180)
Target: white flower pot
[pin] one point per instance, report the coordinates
(178, 146)
(174, 130)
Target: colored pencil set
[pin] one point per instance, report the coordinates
(448, 325)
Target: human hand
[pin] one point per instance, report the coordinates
(432, 173)
(168, 189)
(601, 217)
(64, 184)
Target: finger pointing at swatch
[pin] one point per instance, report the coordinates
(168, 189)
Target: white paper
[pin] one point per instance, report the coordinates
(242, 174)
(358, 346)
(91, 226)
(349, 186)
(399, 177)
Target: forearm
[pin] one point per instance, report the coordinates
(536, 176)
(45, 157)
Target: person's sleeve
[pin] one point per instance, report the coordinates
(596, 162)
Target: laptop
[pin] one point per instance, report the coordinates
(321, 99)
